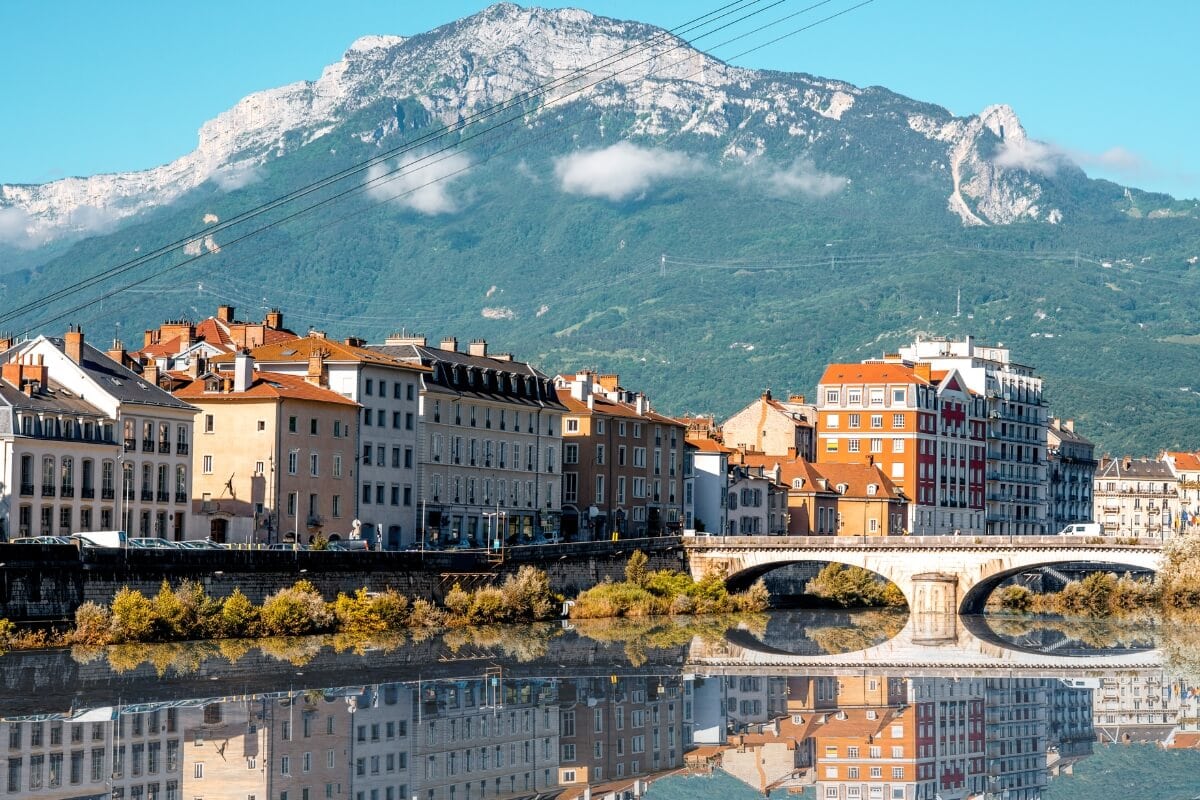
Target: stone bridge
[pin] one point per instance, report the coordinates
(937, 574)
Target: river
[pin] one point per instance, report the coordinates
(808, 704)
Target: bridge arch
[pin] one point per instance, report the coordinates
(739, 581)
(974, 598)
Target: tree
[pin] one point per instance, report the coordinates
(636, 569)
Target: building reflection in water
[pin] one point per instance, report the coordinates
(492, 737)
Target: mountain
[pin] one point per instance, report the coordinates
(802, 220)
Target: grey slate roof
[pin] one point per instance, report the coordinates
(1137, 469)
(453, 372)
(124, 384)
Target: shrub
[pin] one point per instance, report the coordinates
(170, 615)
(296, 611)
(635, 569)
(7, 631)
(487, 605)
(754, 599)
(526, 595)
(682, 604)
(93, 625)
(854, 586)
(458, 601)
(392, 609)
(133, 618)
(424, 614)
(1016, 598)
(668, 583)
(239, 617)
(356, 614)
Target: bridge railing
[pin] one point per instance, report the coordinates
(920, 542)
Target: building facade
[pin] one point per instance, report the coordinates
(491, 441)
(773, 427)
(274, 457)
(1071, 464)
(622, 461)
(1136, 497)
(148, 490)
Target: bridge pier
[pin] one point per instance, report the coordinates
(933, 607)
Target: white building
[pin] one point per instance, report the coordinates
(1016, 494)
(491, 439)
(105, 448)
(709, 487)
(1136, 497)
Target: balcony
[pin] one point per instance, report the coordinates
(67, 491)
(181, 449)
(147, 496)
(163, 497)
(130, 445)
(181, 497)
(27, 490)
(88, 492)
(108, 493)
(48, 490)
(147, 445)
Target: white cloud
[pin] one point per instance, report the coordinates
(235, 176)
(1046, 158)
(420, 185)
(16, 228)
(620, 171)
(803, 177)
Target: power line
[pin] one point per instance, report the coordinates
(357, 188)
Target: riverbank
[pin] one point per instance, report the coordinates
(186, 612)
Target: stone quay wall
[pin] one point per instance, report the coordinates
(41, 583)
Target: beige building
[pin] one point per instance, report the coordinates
(1136, 497)
(1186, 467)
(1071, 463)
(774, 427)
(274, 456)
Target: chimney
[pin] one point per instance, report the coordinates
(796, 398)
(243, 371)
(450, 343)
(608, 383)
(478, 347)
(581, 388)
(766, 395)
(1127, 463)
(150, 372)
(149, 337)
(355, 341)
(398, 339)
(316, 334)
(274, 319)
(316, 368)
(6, 342)
(195, 367)
(74, 344)
(503, 357)
(117, 352)
(12, 372)
(1069, 426)
(922, 371)
(641, 405)
(225, 313)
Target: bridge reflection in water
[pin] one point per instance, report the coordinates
(953, 708)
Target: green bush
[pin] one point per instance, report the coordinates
(296, 611)
(851, 587)
(487, 605)
(1016, 598)
(458, 601)
(635, 569)
(754, 599)
(239, 617)
(527, 596)
(424, 614)
(133, 618)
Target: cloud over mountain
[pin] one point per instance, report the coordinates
(621, 171)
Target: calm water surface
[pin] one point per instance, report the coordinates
(855, 706)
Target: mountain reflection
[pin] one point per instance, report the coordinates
(597, 711)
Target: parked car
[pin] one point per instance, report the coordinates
(287, 546)
(1082, 529)
(349, 544)
(42, 540)
(152, 543)
(199, 544)
(101, 538)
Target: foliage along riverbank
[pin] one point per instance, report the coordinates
(1175, 589)
(186, 612)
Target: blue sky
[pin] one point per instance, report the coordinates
(111, 86)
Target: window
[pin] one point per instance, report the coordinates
(293, 462)
(831, 445)
(877, 420)
(314, 465)
(852, 445)
(831, 396)
(208, 465)
(854, 420)
(291, 424)
(877, 445)
(572, 425)
(570, 454)
(337, 465)
(832, 421)
(897, 445)
(899, 396)
(599, 454)
(897, 420)
(208, 423)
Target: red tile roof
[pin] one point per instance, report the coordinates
(708, 446)
(299, 349)
(1187, 461)
(268, 386)
(602, 405)
(870, 373)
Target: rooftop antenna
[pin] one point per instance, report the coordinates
(958, 304)
(662, 265)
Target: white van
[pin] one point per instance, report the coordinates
(102, 538)
(1082, 529)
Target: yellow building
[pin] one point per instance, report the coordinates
(274, 456)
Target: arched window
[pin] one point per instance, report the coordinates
(48, 476)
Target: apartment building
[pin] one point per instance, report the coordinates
(491, 441)
(923, 428)
(706, 485)
(622, 461)
(151, 473)
(1186, 467)
(1014, 408)
(1071, 464)
(385, 438)
(1136, 497)
(274, 456)
(757, 503)
(774, 427)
